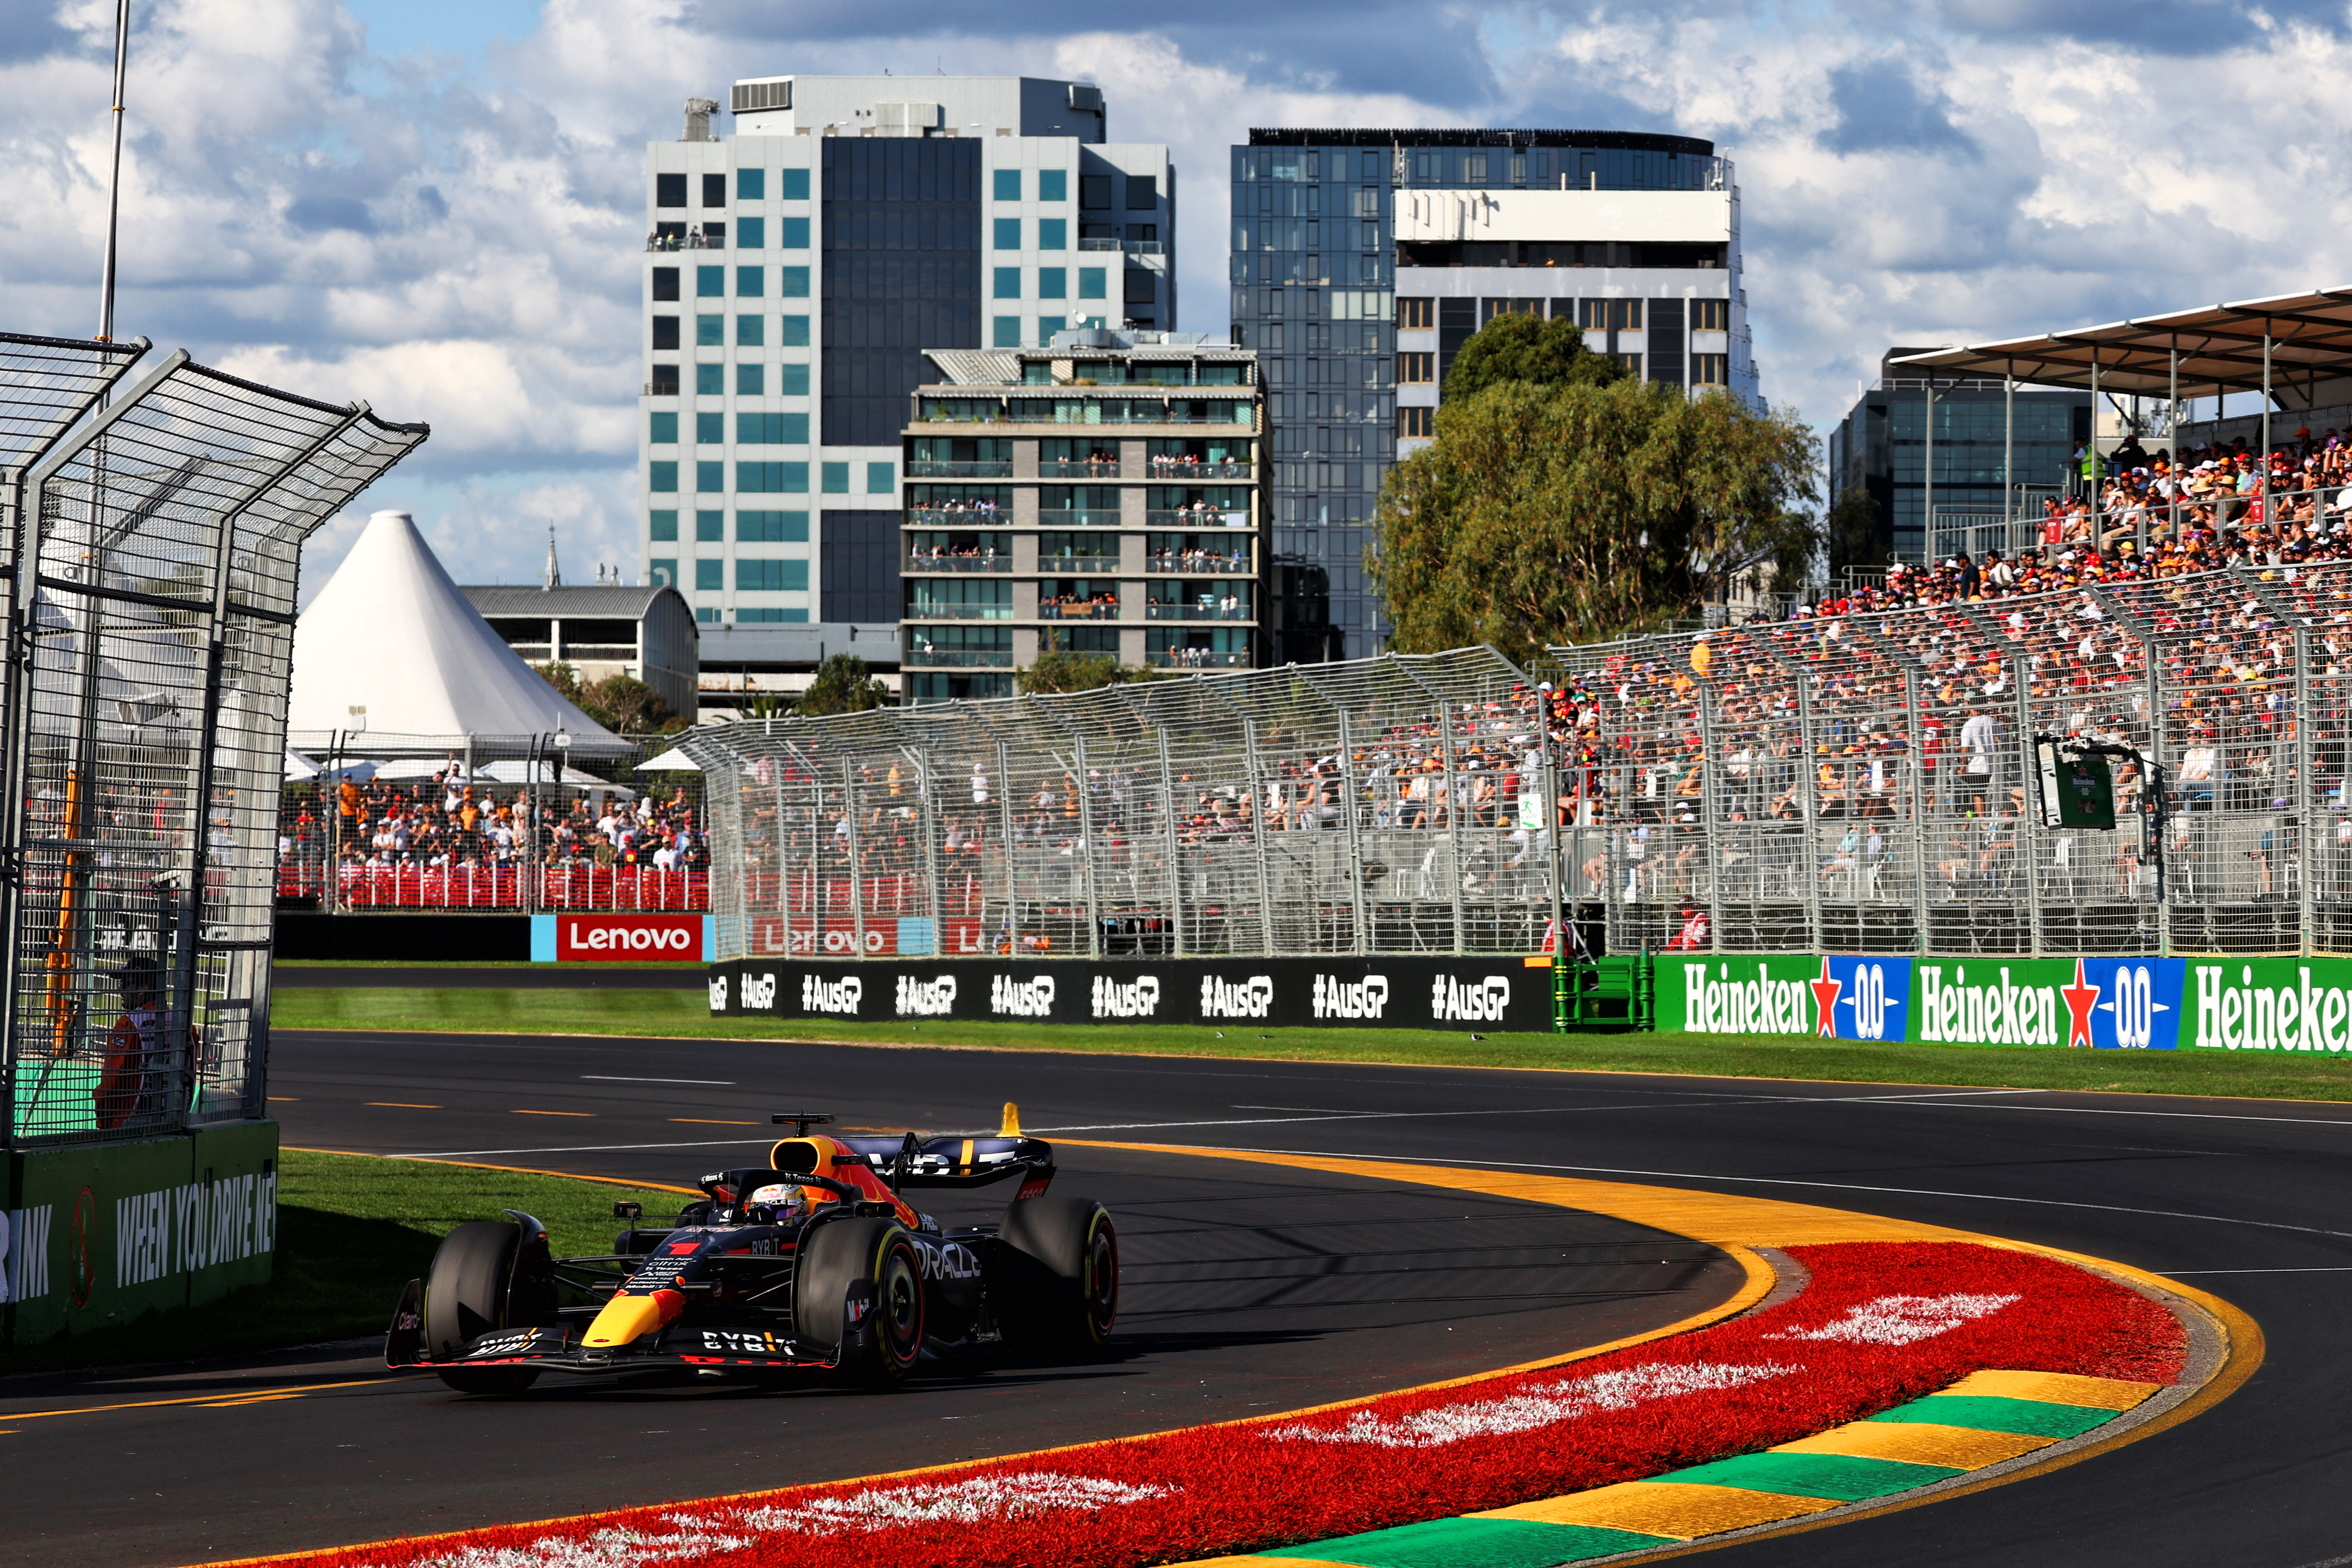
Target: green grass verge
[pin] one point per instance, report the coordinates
(685, 1015)
(351, 1232)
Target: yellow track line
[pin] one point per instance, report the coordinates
(510, 1169)
(218, 1401)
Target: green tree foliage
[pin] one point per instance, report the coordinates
(1058, 670)
(1549, 514)
(843, 685)
(1852, 528)
(1527, 349)
(622, 703)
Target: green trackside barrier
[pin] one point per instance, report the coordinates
(1619, 992)
(103, 1233)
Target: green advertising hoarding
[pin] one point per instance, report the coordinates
(100, 1234)
(2108, 1002)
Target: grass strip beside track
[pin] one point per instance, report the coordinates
(685, 1014)
(351, 1231)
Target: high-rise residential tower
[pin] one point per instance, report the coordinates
(1363, 260)
(795, 272)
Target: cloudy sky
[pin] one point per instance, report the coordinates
(433, 204)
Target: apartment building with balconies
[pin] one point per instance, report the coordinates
(1101, 495)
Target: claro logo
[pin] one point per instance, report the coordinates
(1479, 1001)
(1022, 998)
(829, 996)
(605, 938)
(1247, 999)
(1137, 999)
(1338, 998)
(926, 998)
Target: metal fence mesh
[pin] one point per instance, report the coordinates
(154, 551)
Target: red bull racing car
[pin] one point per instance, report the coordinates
(815, 1261)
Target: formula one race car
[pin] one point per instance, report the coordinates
(812, 1262)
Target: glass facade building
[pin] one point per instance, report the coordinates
(1363, 260)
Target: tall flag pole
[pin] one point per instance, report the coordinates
(114, 180)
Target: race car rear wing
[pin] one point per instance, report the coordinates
(910, 1162)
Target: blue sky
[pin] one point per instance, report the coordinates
(432, 204)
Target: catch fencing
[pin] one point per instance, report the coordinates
(1860, 785)
(151, 537)
(1390, 805)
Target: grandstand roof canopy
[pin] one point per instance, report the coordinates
(2220, 346)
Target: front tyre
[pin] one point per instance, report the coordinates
(467, 1294)
(1065, 1258)
(875, 1259)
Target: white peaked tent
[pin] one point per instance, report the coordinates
(392, 634)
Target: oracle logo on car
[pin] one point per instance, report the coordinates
(610, 938)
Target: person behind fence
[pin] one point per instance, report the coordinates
(134, 1083)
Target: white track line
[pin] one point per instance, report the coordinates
(610, 1078)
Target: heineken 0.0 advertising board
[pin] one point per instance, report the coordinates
(2103, 1002)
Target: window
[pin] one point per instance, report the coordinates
(1372, 170)
(795, 330)
(795, 233)
(772, 479)
(710, 380)
(1008, 283)
(1416, 313)
(771, 429)
(714, 234)
(881, 479)
(1093, 191)
(1474, 168)
(748, 616)
(705, 616)
(669, 190)
(714, 190)
(710, 528)
(796, 182)
(1609, 315)
(1008, 333)
(792, 282)
(751, 380)
(1007, 185)
(770, 577)
(664, 523)
(662, 478)
(1142, 192)
(751, 185)
(1706, 315)
(750, 331)
(1141, 288)
(665, 331)
(709, 479)
(710, 331)
(1008, 234)
(750, 282)
(1710, 370)
(791, 381)
(664, 381)
(1417, 422)
(751, 232)
(1052, 185)
(1416, 369)
(1052, 283)
(772, 527)
(665, 283)
(1092, 284)
(661, 572)
(711, 283)
(1048, 325)
(1052, 234)
(709, 576)
(710, 430)
(1148, 234)
(835, 478)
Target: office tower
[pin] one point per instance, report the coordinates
(795, 272)
(1363, 260)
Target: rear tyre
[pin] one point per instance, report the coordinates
(1065, 1267)
(838, 1255)
(467, 1295)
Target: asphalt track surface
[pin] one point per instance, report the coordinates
(1253, 1287)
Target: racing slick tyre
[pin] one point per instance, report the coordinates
(1065, 1273)
(466, 1296)
(841, 1254)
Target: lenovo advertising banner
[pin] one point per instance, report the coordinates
(622, 938)
(2105, 1002)
(1478, 993)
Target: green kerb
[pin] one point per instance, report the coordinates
(1813, 1475)
(1988, 1413)
(1474, 1543)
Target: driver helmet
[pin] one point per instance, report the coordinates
(784, 1200)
